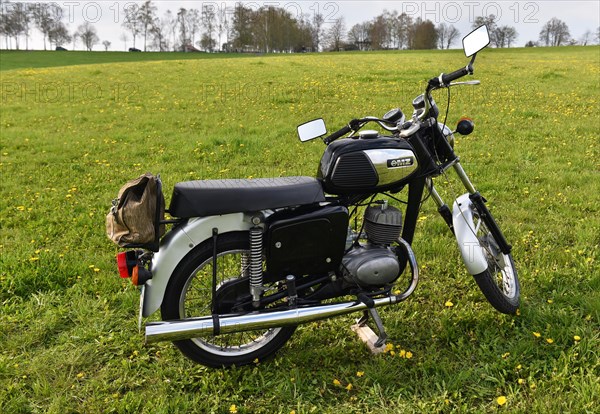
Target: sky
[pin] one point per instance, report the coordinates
(526, 16)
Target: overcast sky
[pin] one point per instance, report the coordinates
(527, 16)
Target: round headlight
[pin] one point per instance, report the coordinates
(447, 133)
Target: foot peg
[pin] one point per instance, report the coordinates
(290, 282)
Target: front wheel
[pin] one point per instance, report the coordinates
(499, 282)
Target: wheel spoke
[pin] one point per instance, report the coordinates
(196, 302)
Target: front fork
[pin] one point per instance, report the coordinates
(478, 202)
(443, 208)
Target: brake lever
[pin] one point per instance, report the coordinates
(471, 82)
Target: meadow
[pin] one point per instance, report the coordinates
(70, 136)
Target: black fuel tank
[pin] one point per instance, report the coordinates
(356, 166)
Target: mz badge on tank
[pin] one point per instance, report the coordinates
(392, 165)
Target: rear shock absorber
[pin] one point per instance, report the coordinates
(256, 265)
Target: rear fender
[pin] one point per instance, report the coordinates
(176, 245)
(464, 228)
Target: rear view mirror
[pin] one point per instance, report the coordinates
(311, 130)
(476, 40)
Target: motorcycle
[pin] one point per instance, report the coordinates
(247, 261)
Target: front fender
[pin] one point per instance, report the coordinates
(464, 228)
(176, 245)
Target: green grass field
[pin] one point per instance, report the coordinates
(14, 59)
(71, 136)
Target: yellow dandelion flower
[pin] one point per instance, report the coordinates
(402, 353)
(501, 400)
(577, 338)
(80, 375)
(388, 347)
(409, 355)
(550, 340)
(537, 334)
(349, 386)
(521, 381)
(233, 409)
(448, 304)
(336, 382)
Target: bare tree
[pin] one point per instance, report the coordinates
(209, 16)
(336, 34)
(586, 38)
(447, 34)
(317, 30)
(106, 45)
(45, 17)
(505, 36)
(24, 17)
(379, 33)
(492, 25)
(359, 36)
(402, 31)
(88, 35)
(124, 38)
(425, 35)
(555, 33)
(222, 25)
(194, 23)
(159, 32)
(171, 24)
(146, 16)
(132, 21)
(16, 21)
(59, 35)
(183, 29)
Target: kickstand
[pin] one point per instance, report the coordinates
(379, 325)
(365, 332)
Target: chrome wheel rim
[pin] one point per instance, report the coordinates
(195, 301)
(499, 264)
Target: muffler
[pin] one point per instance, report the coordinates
(194, 327)
(261, 320)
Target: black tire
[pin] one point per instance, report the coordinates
(499, 282)
(188, 294)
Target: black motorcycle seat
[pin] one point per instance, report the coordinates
(215, 197)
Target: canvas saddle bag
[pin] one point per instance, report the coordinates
(134, 219)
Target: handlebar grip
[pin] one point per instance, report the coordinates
(337, 134)
(447, 78)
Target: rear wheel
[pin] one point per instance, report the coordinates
(189, 295)
(499, 282)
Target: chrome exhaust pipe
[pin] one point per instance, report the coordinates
(224, 324)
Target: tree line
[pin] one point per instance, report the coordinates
(265, 30)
